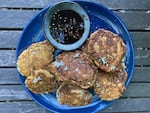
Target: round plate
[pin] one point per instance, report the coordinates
(100, 17)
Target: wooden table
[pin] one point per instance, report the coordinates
(15, 14)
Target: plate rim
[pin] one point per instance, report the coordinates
(46, 8)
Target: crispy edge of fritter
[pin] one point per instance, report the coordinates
(73, 97)
(55, 71)
(104, 85)
(88, 48)
(41, 81)
(24, 64)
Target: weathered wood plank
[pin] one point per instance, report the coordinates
(121, 105)
(8, 76)
(113, 4)
(135, 19)
(142, 57)
(7, 57)
(25, 3)
(130, 105)
(141, 74)
(16, 92)
(125, 4)
(20, 107)
(130, 112)
(9, 39)
(15, 18)
(13, 92)
(21, 18)
(141, 39)
(138, 90)
(138, 112)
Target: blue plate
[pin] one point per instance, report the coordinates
(100, 17)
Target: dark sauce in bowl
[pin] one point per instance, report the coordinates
(66, 26)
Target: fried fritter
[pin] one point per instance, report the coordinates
(110, 86)
(36, 56)
(41, 81)
(74, 66)
(106, 49)
(73, 95)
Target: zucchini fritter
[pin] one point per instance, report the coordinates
(73, 95)
(41, 81)
(106, 49)
(110, 86)
(36, 56)
(74, 66)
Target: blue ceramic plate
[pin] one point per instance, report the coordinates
(100, 17)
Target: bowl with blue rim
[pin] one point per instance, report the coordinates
(66, 25)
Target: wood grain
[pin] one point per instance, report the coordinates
(130, 105)
(137, 90)
(120, 106)
(141, 74)
(20, 107)
(15, 15)
(113, 4)
(16, 92)
(133, 19)
(7, 58)
(8, 76)
(17, 19)
(9, 39)
(6, 38)
(142, 57)
(13, 92)
(141, 39)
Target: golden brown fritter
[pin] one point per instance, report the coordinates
(106, 49)
(73, 95)
(41, 81)
(74, 66)
(110, 86)
(36, 56)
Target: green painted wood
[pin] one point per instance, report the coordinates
(113, 4)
